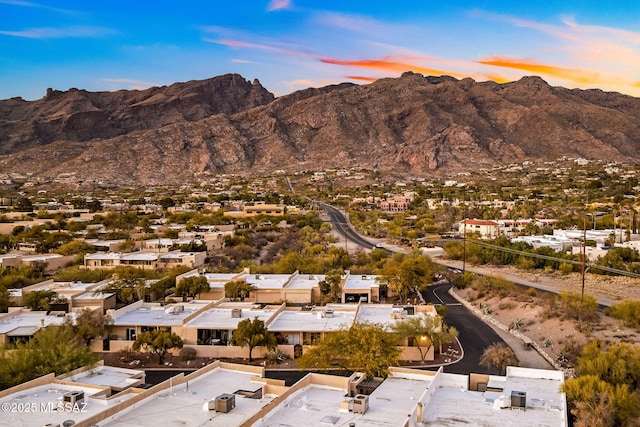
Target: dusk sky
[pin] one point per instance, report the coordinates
(294, 44)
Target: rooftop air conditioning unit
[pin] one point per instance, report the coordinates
(518, 399)
(328, 313)
(360, 404)
(225, 403)
(236, 313)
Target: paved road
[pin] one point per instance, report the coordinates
(474, 334)
(341, 225)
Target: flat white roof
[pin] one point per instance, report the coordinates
(220, 318)
(381, 314)
(267, 281)
(41, 257)
(545, 405)
(305, 281)
(361, 281)
(311, 321)
(28, 320)
(153, 316)
(42, 403)
(65, 286)
(184, 404)
(220, 277)
(103, 255)
(444, 398)
(109, 376)
(140, 256)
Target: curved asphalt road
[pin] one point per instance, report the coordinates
(341, 225)
(474, 334)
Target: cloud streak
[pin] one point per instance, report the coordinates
(132, 83)
(385, 65)
(574, 75)
(279, 5)
(59, 33)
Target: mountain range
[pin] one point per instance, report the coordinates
(410, 125)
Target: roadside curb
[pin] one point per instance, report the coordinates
(491, 320)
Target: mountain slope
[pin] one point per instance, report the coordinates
(413, 125)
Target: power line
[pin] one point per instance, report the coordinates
(550, 258)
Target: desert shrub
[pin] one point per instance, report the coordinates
(571, 351)
(506, 306)
(577, 307)
(526, 263)
(516, 324)
(486, 308)
(627, 311)
(127, 354)
(188, 353)
(566, 268)
(276, 356)
(550, 308)
(532, 292)
(297, 351)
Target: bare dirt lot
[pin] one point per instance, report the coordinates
(537, 316)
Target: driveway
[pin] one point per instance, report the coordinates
(474, 335)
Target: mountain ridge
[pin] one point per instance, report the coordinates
(412, 125)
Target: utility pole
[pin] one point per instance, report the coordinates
(584, 254)
(464, 247)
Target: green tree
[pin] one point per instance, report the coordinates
(90, 324)
(365, 347)
(129, 285)
(253, 333)
(192, 286)
(595, 402)
(23, 204)
(615, 363)
(629, 311)
(75, 247)
(158, 342)
(41, 300)
(331, 284)
(238, 289)
(498, 355)
(52, 349)
(5, 299)
(407, 273)
(426, 332)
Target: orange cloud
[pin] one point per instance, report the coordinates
(574, 75)
(362, 78)
(394, 66)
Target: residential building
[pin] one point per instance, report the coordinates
(484, 228)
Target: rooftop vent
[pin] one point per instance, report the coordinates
(73, 397)
(174, 309)
(360, 404)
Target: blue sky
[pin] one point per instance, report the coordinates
(294, 44)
